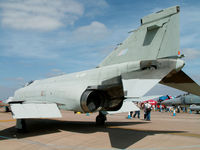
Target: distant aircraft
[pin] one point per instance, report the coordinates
(147, 57)
(153, 100)
(163, 98)
(185, 100)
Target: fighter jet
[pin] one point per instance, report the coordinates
(147, 57)
(185, 100)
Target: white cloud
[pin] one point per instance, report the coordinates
(191, 53)
(47, 15)
(42, 15)
(40, 46)
(29, 46)
(94, 31)
(31, 53)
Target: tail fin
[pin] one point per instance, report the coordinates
(157, 37)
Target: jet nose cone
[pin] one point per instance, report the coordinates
(179, 64)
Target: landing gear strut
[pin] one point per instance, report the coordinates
(20, 125)
(100, 119)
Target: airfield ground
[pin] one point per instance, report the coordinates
(78, 132)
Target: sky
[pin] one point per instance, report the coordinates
(45, 38)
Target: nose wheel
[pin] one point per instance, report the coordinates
(100, 119)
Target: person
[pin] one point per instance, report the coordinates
(131, 113)
(143, 106)
(178, 109)
(145, 114)
(153, 107)
(137, 113)
(160, 107)
(147, 108)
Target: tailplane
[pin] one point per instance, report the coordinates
(157, 37)
(181, 81)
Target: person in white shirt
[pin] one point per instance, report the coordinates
(147, 109)
(137, 113)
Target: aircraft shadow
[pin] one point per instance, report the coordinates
(120, 138)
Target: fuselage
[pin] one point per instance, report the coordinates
(67, 90)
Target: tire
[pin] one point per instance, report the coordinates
(100, 119)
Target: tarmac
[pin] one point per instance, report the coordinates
(79, 132)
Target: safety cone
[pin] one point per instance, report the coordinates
(174, 112)
(129, 115)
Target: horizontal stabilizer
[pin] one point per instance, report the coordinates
(126, 107)
(21, 111)
(181, 81)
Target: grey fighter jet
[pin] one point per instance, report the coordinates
(185, 100)
(147, 57)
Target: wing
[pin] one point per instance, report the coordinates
(35, 110)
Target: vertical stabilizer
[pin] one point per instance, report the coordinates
(157, 37)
